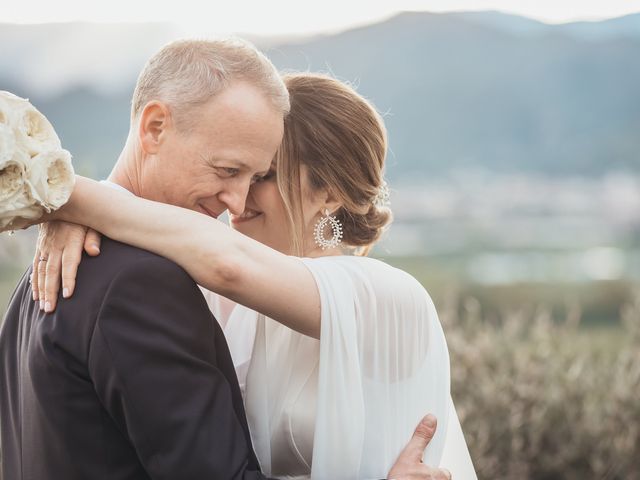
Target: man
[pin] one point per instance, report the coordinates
(131, 378)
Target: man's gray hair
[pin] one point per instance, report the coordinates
(186, 74)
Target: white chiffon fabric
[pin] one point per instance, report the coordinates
(344, 406)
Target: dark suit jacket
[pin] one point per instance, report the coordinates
(131, 378)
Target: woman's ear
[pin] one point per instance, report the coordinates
(330, 203)
(155, 120)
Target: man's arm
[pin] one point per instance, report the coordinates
(409, 464)
(154, 364)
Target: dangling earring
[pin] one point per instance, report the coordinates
(336, 229)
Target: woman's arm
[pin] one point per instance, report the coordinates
(215, 256)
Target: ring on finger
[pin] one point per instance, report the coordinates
(42, 259)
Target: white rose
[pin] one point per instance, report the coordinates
(35, 173)
(11, 99)
(11, 108)
(21, 218)
(9, 103)
(51, 178)
(34, 133)
(12, 175)
(7, 143)
(13, 194)
(5, 112)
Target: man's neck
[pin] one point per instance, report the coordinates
(127, 171)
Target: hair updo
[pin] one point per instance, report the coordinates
(341, 140)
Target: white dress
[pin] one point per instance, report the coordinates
(344, 406)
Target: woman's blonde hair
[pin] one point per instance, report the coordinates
(341, 140)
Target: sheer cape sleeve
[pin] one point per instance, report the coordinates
(384, 364)
(239, 326)
(380, 365)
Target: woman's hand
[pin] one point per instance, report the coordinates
(58, 254)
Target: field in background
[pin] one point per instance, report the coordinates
(545, 398)
(597, 303)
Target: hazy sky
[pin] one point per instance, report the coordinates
(293, 16)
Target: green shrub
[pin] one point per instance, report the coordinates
(541, 399)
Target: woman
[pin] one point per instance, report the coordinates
(339, 354)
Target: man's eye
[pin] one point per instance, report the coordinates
(228, 171)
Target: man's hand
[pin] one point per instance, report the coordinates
(409, 464)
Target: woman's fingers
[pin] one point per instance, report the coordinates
(56, 262)
(35, 284)
(70, 260)
(43, 251)
(33, 279)
(92, 243)
(52, 280)
(41, 276)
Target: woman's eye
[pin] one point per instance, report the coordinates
(268, 176)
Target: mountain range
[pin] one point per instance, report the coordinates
(458, 91)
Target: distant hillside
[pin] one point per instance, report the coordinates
(460, 93)
(465, 90)
(627, 26)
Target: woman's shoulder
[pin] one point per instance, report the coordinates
(371, 274)
(368, 265)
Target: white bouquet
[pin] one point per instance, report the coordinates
(36, 175)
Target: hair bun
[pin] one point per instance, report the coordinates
(364, 230)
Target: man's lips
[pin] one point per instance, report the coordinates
(208, 212)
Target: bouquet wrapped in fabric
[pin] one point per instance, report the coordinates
(36, 174)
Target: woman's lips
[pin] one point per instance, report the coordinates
(245, 217)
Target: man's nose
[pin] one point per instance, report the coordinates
(235, 197)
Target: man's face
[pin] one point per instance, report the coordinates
(210, 168)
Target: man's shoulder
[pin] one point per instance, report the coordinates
(114, 251)
(120, 264)
(125, 278)
(116, 257)
(151, 291)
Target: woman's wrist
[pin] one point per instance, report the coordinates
(69, 211)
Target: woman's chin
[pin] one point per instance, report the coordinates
(244, 225)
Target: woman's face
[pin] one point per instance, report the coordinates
(265, 218)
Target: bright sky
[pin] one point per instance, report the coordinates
(269, 17)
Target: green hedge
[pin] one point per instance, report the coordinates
(541, 399)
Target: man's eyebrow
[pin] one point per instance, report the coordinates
(237, 163)
(215, 161)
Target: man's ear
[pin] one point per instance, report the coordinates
(155, 120)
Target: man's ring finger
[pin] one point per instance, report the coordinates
(42, 259)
